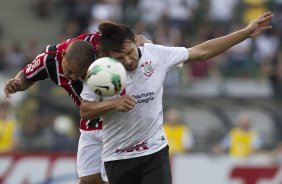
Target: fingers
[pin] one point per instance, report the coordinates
(125, 103)
(129, 103)
(11, 86)
(7, 94)
(266, 17)
(266, 28)
(128, 107)
(267, 14)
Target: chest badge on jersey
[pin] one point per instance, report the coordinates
(148, 70)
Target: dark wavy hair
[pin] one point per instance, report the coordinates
(113, 36)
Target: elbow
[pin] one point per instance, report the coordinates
(83, 115)
(199, 54)
(205, 55)
(84, 112)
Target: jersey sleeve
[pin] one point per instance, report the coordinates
(170, 56)
(36, 70)
(88, 94)
(92, 38)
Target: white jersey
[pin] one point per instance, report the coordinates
(140, 131)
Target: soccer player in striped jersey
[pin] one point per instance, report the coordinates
(55, 63)
(135, 148)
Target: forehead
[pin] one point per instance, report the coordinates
(128, 45)
(127, 48)
(69, 62)
(73, 66)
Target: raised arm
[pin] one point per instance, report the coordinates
(18, 83)
(94, 109)
(217, 46)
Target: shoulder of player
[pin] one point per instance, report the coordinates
(147, 47)
(152, 49)
(151, 46)
(51, 56)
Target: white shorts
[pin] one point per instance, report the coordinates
(89, 155)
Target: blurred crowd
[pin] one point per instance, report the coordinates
(170, 22)
(166, 22)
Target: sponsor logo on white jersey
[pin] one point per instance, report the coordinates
(144, 97)
(137, 147)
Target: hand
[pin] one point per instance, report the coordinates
(12, 86)
(124, 103)
(260, 24)
(140, 40)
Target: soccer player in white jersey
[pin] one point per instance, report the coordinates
(66, 64)
(135, 149)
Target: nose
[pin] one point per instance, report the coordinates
(126, 61)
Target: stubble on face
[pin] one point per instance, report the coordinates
(128, 56)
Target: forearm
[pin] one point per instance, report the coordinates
(219, 45)
(25, 84)
(94, 109)
(214, 47)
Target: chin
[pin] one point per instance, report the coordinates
(130, 69)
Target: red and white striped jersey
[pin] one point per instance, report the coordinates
(48, 64)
